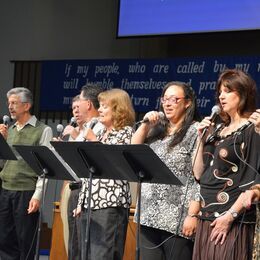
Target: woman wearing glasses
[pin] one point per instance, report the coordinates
(168, 212)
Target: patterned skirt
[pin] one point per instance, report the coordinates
(237, 246)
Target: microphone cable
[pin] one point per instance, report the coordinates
(179, 222)
(236, 152)
(254, 170)
(188, 181)
(32, 243)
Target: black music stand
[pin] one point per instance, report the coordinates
(136, 163)
(47, 165)
(6, 152)
(82, 157)
(148, 168)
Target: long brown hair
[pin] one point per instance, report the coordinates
(240, 82)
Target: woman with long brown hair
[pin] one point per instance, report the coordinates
(227, 164)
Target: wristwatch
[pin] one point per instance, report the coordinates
(233, 213)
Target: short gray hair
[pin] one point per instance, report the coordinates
(24, 93)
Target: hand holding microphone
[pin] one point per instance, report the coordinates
(255, 119)
(208, 121)
(4, 126)
(73, 122)
(71, 129)
(6, 120)
(59, 130)
(152, 117)
(89, 133)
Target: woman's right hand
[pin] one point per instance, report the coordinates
(152, 118)
(220, 228)
(205, 124)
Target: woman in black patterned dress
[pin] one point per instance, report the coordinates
(227, 165)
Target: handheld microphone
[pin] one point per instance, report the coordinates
(73, 122)
(59, 130)
(93, 122)
(146, 120)
(214, 112)
(6, 120)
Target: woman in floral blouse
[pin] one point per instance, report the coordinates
(110, 199)
(168, 220)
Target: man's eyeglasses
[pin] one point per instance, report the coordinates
(171, 100)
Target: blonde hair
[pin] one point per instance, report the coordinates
(123, 113)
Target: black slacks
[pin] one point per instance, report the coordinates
(158, 244)
(18, 229)
(74, 227)
(107, 233)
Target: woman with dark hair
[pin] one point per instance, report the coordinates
(168, 212)
(227, 164)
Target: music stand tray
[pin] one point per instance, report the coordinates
(6, 152)
(40, 157)
(47, 165)
(120, 162)
(90, 157)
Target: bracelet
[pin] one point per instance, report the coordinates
(233, 213)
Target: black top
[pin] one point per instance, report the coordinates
(232, 165)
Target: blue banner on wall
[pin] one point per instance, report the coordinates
(143, 79)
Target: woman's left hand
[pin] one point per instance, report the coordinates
(255, 119)
(248, 197)
(221, 227)
(189, 226)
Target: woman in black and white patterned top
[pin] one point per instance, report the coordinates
(168, 212)
(111, 199)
